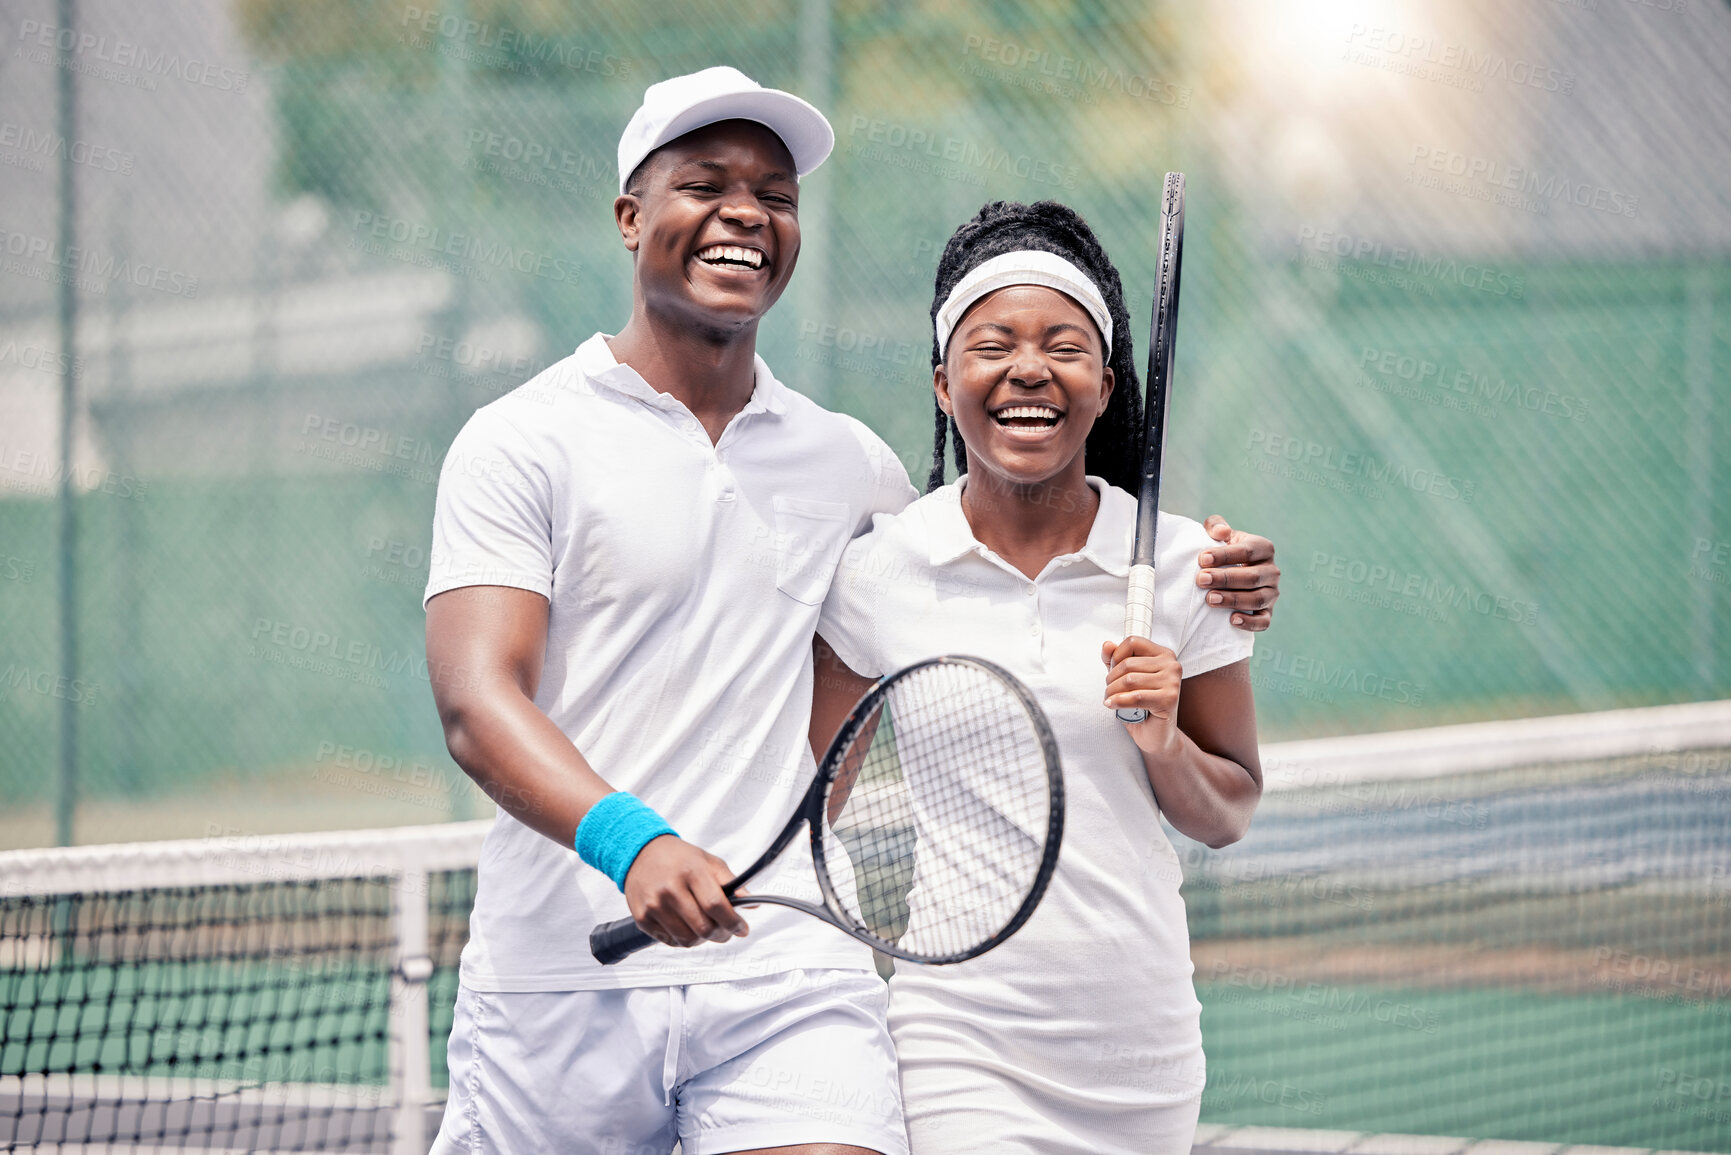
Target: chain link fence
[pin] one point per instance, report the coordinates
(1455, 336)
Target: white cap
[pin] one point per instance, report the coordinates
(671, 108)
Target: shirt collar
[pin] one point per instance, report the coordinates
(1113, 536)
(596, 362)
(950, 535)
(1109, 539)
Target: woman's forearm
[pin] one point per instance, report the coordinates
(1208, 779)
(1207, 797)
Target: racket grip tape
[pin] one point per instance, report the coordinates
(1138, 621)
(1139, 603)
(613, 941)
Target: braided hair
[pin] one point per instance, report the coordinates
(1114, 447)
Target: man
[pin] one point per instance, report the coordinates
(630, 554)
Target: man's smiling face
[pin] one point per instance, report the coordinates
(713, 218)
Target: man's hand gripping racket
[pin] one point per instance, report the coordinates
(1139, 604)
(935, 818)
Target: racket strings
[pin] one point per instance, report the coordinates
(938, 836)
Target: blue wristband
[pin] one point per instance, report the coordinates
(615, 831)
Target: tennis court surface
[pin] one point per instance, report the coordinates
(1508, 939)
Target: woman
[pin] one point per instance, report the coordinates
(1082, 1032)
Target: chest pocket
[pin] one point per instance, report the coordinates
(809, 538)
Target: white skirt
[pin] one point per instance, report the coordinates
(974, 1083)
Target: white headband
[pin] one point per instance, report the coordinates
(1027, 267)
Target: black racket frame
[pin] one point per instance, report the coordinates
(1162, 346)
(612, 941)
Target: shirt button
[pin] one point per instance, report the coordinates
(1032, 589)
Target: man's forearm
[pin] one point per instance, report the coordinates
(497, 635)
(523, 762)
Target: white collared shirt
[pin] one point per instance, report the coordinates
(1094, 993)
(684, 580)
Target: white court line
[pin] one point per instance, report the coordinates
(1303, 1141)
(132, 1090)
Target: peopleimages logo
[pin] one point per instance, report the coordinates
(1423, 49)
(49, 684)
(1056, 67)
(1379, 577)
(39, 358)
(324, 651)
(1498, 391)
(90, 263)
(48, 144)
(440, 243)
(536, 162)
(1711, 561)
(921, 142)
(1401, 259)
(34, 471)
(509, 42)
(1303, 669)
(1236, 1088)
(1314, 460)
(1483, 178)
(125, 54)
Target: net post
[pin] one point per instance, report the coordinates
(410, 1058)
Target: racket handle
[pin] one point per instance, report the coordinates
(1138, 622)
(1139, 603)
(612, 941)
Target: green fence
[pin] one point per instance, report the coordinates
(1485, 427)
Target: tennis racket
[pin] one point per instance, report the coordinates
(935, 818)
(1139, 604)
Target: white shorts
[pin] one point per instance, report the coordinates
(799, 1057)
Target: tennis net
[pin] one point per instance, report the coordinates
(1439, 941)
(231, 993)
(1504, 931)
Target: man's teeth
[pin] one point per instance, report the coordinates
(1028, 413)
(733, 253)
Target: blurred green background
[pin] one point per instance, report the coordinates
(1456, 335)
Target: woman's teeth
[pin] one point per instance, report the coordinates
(1028, 416)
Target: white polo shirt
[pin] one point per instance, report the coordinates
(684, 582)
(1089, 1009)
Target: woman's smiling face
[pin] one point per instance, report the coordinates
(1025, 377)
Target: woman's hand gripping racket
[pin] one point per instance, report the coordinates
(1139, 604)
(935, 818)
